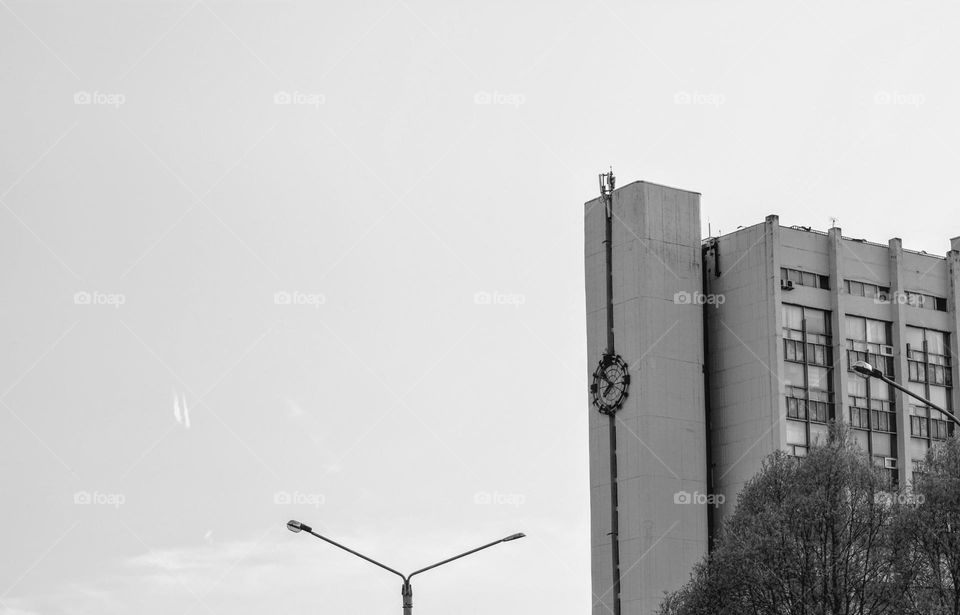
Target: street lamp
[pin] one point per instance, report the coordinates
(865, 369)
(406, 590)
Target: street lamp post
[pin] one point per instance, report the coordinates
(865, 369)
(406, 590)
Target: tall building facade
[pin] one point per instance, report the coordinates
(660, 430)
(744, 350)
(800, 308)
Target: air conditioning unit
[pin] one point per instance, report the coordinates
(786, 284)
(890, 463)
(886, 351)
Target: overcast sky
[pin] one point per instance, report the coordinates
(272, 260)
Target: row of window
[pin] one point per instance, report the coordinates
(929, 428)
(915, 299)
(816, 354)
(865, 289)
(934, 374)
(876, 420)
(808, 410)
(804, 278)
(856, 288)
(925, 301)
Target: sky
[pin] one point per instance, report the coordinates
(275, 260)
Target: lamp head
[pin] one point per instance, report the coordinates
(514, 536)
(865, 369)
(296, 526)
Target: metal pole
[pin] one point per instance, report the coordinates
(407, 592)
(608, 247)
(607, 183)
(614, 517)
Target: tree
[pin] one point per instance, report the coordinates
(810, 536)
(930, 531)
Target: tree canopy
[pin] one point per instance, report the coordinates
(828, 534)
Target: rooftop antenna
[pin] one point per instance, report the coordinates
(607, 183)
(833, 222)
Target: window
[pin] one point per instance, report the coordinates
(866, 289)
(804, 278)
(869, 340)
(807, 375)
(872, 413)
(925, 301)
(929, 376)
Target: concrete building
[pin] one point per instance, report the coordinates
(780, 313)
(800, 307)
(661, 431)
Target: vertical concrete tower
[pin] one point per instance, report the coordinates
(661, 444)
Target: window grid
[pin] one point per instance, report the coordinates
(925, 301)
(929, 369)
(808, 406)
(804, 278)
(869, 340)
(866, 289)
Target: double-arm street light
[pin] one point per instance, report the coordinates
(865, 369)
(406, 591)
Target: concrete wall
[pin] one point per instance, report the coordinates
(744, 343)
(661, 435)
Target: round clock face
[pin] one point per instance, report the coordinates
(611, 380)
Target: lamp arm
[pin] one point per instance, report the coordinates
(897, 386)
(360, 555)
(448, 560)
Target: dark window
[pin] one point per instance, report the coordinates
(805, 278)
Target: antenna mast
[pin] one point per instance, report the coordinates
(607, 185)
